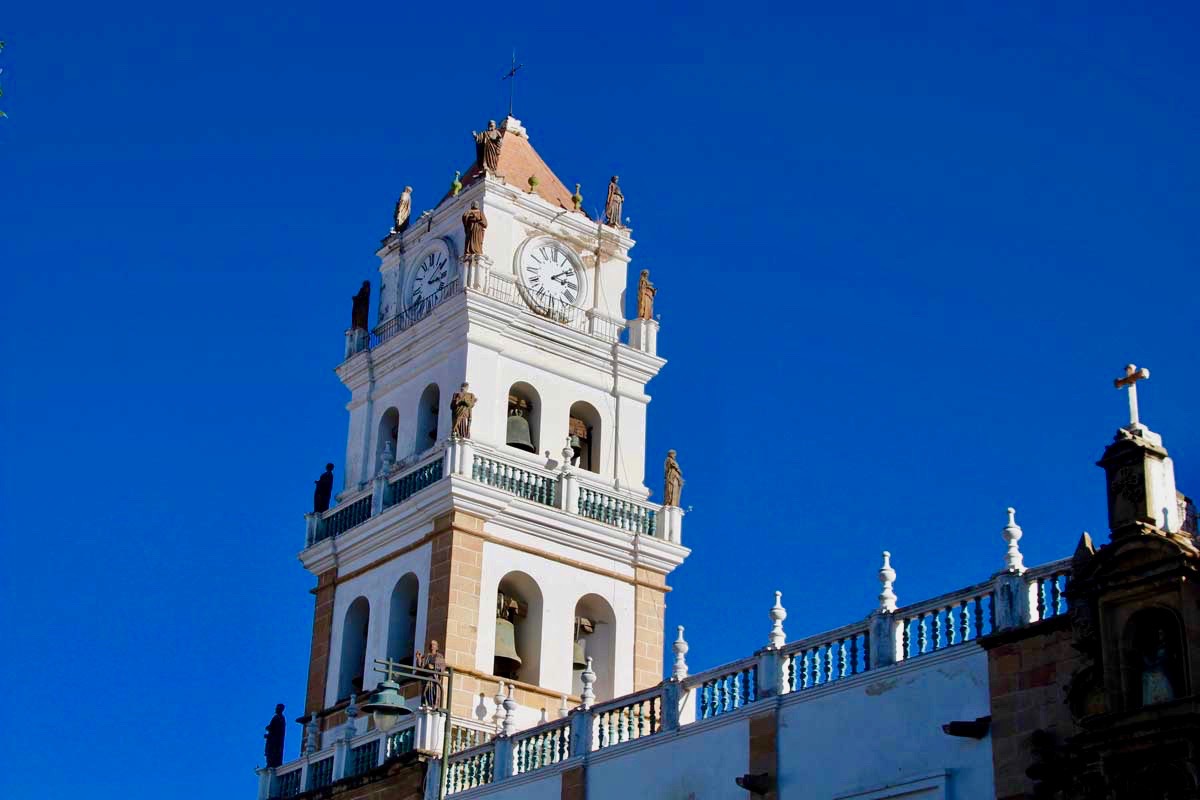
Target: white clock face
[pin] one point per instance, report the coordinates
(431, 275)
(550, 275)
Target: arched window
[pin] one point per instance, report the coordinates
(595, 637)
(1153, 658)
(427, 418)
(385, 445)
(584, 430)
(354, 648)
(402, 620)
(524, 417)
(518, 653)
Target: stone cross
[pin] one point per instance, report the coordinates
(1132, 376)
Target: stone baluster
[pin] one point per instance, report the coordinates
(498, 717)
(503, 753)
(312, 735)
(341, 746)
(1011, 596)
(563, 709)
(885, 646)
(679, 648)
(569, 485)
(588, 679)
(510, 713)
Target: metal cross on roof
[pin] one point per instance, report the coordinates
(511, 75)
(1132, 376)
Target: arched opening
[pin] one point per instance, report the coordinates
(427, 418)
(1153, 658)
(524, 417)
(518, 653)
(385, 445)
(595, 637)
(584, 430)
(354, 648)
(402, 619)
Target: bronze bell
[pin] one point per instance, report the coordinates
(518, 432)
(507, 660)
(579, 661)
(583, 626)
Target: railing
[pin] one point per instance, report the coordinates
(505, 289)
(288, 783)
(471, 768)
(414, 313)
(945, 621)
(542, 746)
(627, 718)
(725, 688)
(620, 513)
(521, 481)
(400, 743)
(464, 738)
(320, 774)
(340, 520)
(827, 657)
(363, 758)
(1048, 584)
(407, 485)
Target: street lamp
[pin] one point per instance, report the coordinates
(387, 705)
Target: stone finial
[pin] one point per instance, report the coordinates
(778, 614)
(1013, 560)
(588, 679)
(312, 735)
(510, 713)
(887, 577)
(568, 453)
(481, 710)
(563, 708)
(543, 719)
(352, 708)
(680, 648)
(456, 184)
(498, 717)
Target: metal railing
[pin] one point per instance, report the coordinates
(414, 313)
(337, 521)
(505, 289)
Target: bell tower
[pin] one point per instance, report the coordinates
(495, 497)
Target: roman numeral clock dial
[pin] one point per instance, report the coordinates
(431, 275)
(550, 276)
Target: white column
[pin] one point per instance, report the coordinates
(886, 643)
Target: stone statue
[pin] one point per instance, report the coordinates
(614, 203)
(460, 413)
(276, 729)
(324, 490)
(362, 305)
(431, 692)
(487, 147)
(646, 292)
(672, 480)
(474, 225)
(1156, 683)
(403, 209)
(577, 199)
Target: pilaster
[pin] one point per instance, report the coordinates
(650, 606)
(455, 573)
(318, 662)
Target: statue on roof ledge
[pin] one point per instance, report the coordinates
(646, 292)
(614, 203)
(361, 307)
(403, 209)
(487, 147)
(474, 225)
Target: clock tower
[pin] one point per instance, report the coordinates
(518, 531)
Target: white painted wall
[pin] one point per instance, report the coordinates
(886, 728)
(376, 585)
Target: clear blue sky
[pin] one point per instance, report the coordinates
(901, 254)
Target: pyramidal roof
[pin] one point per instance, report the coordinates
(518, 163)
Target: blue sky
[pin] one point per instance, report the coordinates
(901, 254)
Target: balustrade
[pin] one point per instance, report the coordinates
(407, 485)
(830, 657)
(1048, 585)
(288, 784)
(363, 758)
(400, 743)
(471, 768)
(526, 483)
(725, 689)
(413, 314)
(340, 520)
(624, 514)
(463, 738)
(627, 718)
(542, 746)
(320, 773)
(946, 621)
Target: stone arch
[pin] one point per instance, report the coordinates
(524, 401)
(385, 438)
(353, 663)
(600, 644)
(526, 616)
(584, 428)
(428, 408)
(402, 619)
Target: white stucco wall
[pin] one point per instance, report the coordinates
(376, 585)
(885, 728)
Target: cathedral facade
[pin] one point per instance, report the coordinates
(491, 575)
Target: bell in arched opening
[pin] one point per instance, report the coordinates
(518, 425)
(580, 443)
(583, 627)
(507, 659)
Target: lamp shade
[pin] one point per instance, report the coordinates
(386, 706)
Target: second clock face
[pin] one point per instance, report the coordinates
(550, 275)
(431, 275)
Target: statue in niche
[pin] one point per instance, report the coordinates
(362, 305)
(487, 147)
(1157, 666)
(431, 692)
(646, 292)
(474, 225)
(672, 480)
(403, 209)
(323, 491)
(460, 413)
(614, 203)
(276, 729)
